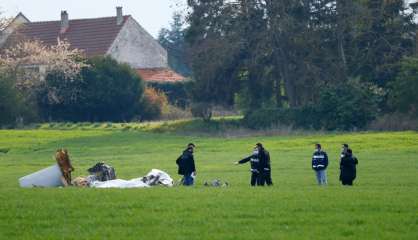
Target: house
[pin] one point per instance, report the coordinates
(120, 37)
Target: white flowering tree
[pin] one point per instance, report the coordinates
(29, 62)
(4, 22)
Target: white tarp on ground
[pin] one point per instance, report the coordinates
(154, 177)
(47, 177)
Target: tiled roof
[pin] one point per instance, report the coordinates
(160, 75)
(94, 36)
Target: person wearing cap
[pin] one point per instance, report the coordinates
(186, 165)
(320, 164)
(348, 167)
(260, 166)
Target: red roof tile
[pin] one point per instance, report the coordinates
(94, 36)
(160, 75)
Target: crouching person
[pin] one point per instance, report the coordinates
(186, 165)
(320, 164)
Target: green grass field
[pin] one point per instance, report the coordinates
(383, 204)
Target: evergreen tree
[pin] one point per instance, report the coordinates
(173, 40)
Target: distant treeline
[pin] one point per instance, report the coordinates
(314, 63)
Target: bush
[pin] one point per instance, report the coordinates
(15, 109)
(266, 118)
(344, 107)
(394, 122)
(152, 105)
(172, 112)
(177, 93)
(9, 102)
(106, 91)
(202, 110)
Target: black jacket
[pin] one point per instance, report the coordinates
(186, 163)
(348, 170)
(259, 162)
(319, 160)
(265, 160)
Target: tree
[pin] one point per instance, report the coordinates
(346, 106)
(214, 53)
(386, 33)
(10, 101)
(404, 97)
(283, 51)
(173, 40)
(4, 22)
(26, 63)
(104, 91)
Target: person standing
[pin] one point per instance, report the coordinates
(186, 165)
(260, 166)
(348, 167)
(265, 165)
(320, 164)
(255, 166)
(344, 151)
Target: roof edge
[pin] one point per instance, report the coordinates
(125, 20)
(20, 14)
(78, 19)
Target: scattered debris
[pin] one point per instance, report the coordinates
(216, 183)
(103, 172)
(102, 176)
(153, 178)
(84, 181)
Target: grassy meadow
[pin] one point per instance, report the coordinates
(383, 204)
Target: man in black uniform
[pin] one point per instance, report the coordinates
(265, 165)
(260, 166)
(186, 165)
(348, 166)
(320, 164)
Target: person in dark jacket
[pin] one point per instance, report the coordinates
(320, 164)
(348, 167)
(260, 166)
(265, 166)
(344, 151)
(186, 165)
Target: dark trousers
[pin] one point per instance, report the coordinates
(266, 178)
(347, 182)
(255, 178)
(188, 180)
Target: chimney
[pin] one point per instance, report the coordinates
(119, 15)
(64, 22)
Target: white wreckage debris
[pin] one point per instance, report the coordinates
(47, 177)
(58, 175)
(154, 178)
(101, 176)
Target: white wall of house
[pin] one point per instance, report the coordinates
(19, 19)
(135, 46)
